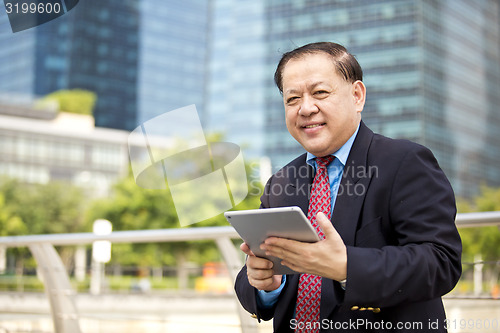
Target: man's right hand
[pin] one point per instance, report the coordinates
(260, 271)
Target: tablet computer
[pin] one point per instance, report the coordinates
(255, 225)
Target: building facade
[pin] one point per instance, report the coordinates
(431, 70)
(236, 95)
(93, 47)
(173, 51)
(39, 146)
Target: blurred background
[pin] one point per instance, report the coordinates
(72, 89)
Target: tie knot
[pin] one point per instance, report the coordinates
(322, 162)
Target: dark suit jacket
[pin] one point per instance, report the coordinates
(395, 212)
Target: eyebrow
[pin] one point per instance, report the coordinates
(312, 86)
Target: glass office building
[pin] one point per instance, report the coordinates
(431, 68)
(431, 71)
(17, 60)
(93, 47)
(236, 98)
(141, 58)
(104, 56)
(173, 47)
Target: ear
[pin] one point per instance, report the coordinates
(359, 94)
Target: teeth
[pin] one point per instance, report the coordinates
(312, 126)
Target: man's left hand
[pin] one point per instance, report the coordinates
(326, 258)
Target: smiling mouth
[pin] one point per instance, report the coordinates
(314, 125)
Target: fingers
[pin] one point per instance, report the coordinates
(325, 258)
(259, 263)
(246, 249)
(279, 246)
(268, 284)
(260, 271)
(260, 274)
(256, 263)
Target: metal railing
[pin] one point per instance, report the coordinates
(61, 294)
(56, 280)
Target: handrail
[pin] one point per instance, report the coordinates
(129, 236)
(57, 282)
(463, 220)
(478, 219)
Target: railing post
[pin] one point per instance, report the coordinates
(3, 259)
(478, 274)
(58, 288)
(80, 263)
(232, 258)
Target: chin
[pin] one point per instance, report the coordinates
(316, 148)
(316, 152)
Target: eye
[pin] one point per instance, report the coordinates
(321, 92)
(291, 99)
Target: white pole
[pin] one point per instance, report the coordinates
(478, 275)
(80, 263)
(96, 278)
(101, 253)
(3, 259)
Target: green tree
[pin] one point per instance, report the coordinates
(74, 101)
(10, 223)
(484, 240)
(55, 207)
(131, 207)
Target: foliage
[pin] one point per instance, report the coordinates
(40, 208)
(74, 101)
(131, 207)
(485, 240)
(10, 223)
(59, 207)
(54, 207)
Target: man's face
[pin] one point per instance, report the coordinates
(322, 109)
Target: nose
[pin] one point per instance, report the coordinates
(308, 106)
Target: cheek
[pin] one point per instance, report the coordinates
(290, 116)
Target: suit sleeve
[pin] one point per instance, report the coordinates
(247, 294)
(425, 260)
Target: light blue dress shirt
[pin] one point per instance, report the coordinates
(267, 299)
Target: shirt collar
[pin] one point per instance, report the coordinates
(340, 154)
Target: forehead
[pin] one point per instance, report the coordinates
(310, 68)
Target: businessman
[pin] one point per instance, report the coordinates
(383, 209)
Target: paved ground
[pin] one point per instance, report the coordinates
(189, 313)
(469, 316)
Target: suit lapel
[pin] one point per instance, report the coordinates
(352, 190)
(353, 187)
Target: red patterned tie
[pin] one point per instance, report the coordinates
(309, 293)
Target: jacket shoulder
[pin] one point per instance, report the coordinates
(384, 146)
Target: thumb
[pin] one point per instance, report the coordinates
(327, 226)
(246, 249)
